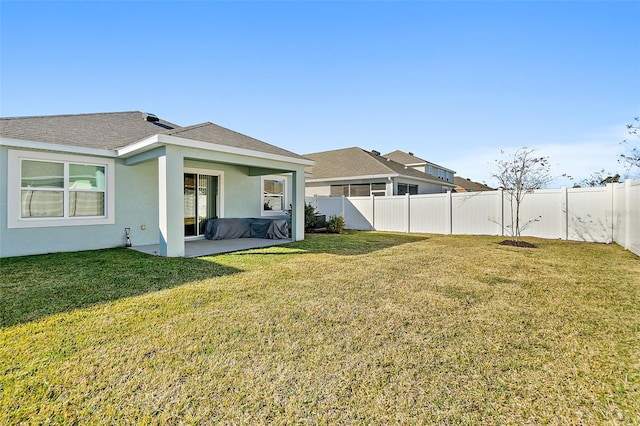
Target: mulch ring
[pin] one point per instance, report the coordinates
(515, 243)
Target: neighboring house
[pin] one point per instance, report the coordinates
(356, 172)
(75, 182)
(432, 169)
(467, 185)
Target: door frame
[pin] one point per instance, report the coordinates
(219, 193)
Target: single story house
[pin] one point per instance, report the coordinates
(80, 182)
(355, 172)
(432, 169)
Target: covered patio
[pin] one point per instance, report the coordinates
(204, 247)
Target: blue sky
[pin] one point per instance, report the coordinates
(454, 82)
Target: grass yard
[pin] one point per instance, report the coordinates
(361, 328)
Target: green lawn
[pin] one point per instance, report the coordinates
(361, 328)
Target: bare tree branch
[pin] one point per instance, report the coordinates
(632, 156)
(518, 174)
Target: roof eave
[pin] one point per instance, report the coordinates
(339, 178)
(159, 140)
(381, 176)
(49, 146)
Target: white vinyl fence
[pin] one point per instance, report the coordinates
(605, 215)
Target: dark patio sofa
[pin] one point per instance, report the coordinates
(230, 228)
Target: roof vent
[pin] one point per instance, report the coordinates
(374, 152)
(411, 153)
(151, 118)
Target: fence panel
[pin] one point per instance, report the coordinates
(589, 214)
(428, 214)
(579, 214)
(476, 213)
(626, 218)
(334, 205)
(390, 214)
(358, 213)
(541, 214)
(619, 216)
(328, 206)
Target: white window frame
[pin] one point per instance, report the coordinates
(378, 192)
(409, 186)
(14, 188)
(285, 188)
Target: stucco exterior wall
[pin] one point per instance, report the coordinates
(312, 189)
(137, 200)
(322, 188)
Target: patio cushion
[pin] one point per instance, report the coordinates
(228, 228)
(279, 229)
(273, 229)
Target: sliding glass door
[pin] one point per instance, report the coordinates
(200, 194)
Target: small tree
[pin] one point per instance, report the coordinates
(598, 179)
(518, 174)
(310, 218)
(336, 224)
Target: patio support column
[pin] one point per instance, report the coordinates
(297, 206)
(171, 203)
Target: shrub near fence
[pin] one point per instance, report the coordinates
(604, 215)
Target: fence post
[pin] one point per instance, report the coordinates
(627, 214)
(449, 213)
(408, 213)
(500, 219)
(610, 191)
(373, 212)
(564, 208)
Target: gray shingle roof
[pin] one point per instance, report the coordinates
(353, 162)
(410, 159)
(209, 132)
(469, 185)
(404, 157)
(114, 130)
(102, 130)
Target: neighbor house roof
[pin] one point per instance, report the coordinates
(115, 130)
(467, 185)
(410, 160)
(404, 157)
(350, 163)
